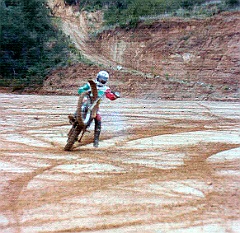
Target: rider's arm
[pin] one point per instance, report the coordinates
(84, 88)
(111, 95)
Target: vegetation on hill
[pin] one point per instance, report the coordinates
(30, 43)
(129, 12)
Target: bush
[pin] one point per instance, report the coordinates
(71, 2)
(31, 45)
(128, 12)
(232, 3)
(189, 4)
(135, 9)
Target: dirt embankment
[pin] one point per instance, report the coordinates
(179, 59)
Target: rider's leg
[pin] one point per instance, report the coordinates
(97, 130)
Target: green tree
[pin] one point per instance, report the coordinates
(29, 42)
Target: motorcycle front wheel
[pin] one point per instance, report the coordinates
(72, 137)
(84, 111)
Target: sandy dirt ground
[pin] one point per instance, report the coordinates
(162, 166)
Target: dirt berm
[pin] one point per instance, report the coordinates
(170, 58)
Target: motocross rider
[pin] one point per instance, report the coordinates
(101, 81)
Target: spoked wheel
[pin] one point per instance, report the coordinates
(84, 111)
(72, 137)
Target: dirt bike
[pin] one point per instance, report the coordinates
(87, 107)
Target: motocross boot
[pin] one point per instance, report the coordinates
(72, 119)
(97, 132)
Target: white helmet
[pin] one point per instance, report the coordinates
(102, 77)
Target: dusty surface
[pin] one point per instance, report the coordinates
(162, 166)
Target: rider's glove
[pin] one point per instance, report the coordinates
(117, 94)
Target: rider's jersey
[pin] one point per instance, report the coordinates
(102, 90)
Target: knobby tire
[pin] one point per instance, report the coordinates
(73, 135)
(83, 120)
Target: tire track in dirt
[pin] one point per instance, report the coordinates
(149, 177)
(12, 200)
